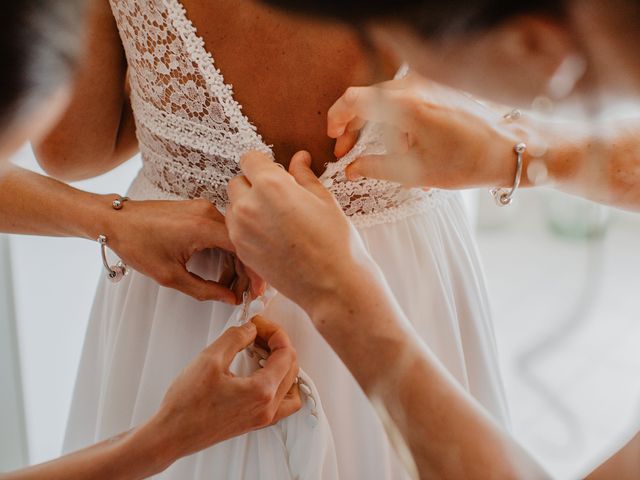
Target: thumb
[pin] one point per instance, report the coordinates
(214, 235)
(300, 169)
(203, 290)
(233, 341)
(396, 168)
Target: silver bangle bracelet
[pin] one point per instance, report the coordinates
(115, 273)
(504, 196)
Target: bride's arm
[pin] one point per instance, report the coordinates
(156, 238)
(97, 132)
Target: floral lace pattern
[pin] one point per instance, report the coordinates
(192, 132)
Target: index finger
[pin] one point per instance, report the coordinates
(273, 334)
(237, 187)
(254, 163)
(278, 368)
(347, 108)
(380, 105)
(232, 342)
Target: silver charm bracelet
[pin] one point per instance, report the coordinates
(116, 272)
(504, 196)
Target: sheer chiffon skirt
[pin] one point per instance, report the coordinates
(141, 335)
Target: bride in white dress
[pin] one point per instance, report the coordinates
(191, 133)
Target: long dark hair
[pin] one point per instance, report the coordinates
(40, 42)
(429, 17)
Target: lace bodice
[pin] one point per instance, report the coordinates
(192, 132)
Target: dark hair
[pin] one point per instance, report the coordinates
(39, 48)
(429, 17)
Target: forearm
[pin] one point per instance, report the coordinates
(36, 205)
(448, 434)
(134, 455)
(609, 165)
(598, 160)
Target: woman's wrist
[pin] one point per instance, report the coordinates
(150, 447)
(338, 288)
(553, 153)
(97, 217)
(364, 325)
(549, 157)
(498, 156)
(357, 284)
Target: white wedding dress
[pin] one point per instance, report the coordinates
(140, 336)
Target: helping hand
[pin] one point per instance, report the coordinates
(157, 238)
(207, 404)
(291, 230)
(435, 136)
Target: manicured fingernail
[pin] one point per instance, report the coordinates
(306, 157)
(352, 175)
(333, 133)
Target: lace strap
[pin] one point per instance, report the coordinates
(213, 77)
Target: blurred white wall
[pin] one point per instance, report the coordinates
(13, 435)
(54, 284)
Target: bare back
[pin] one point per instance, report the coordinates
(286, 71)
(211, 83)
